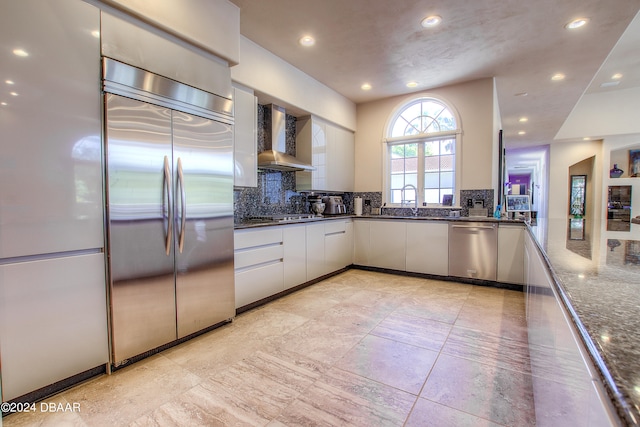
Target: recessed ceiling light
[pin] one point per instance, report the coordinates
(558, 76)
(412, 84)
(521, 94)
(616, 76)
(13, 93)
(576, 23)
(10, 82)
(307, 41)
(522, 132)
(365, 86)
(95, 33)
(20, 52)
(523, 119)
(3, 103)
(586, 138)
(431, 21)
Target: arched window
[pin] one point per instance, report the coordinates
(421, 146)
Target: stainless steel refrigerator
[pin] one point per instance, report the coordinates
(169, 156)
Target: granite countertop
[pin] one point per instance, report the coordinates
(597, 273)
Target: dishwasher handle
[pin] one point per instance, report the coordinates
(478, 227)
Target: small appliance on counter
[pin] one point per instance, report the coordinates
(334, 205)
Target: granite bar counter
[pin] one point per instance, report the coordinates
(597, 273)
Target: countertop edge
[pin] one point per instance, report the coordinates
(244, 226)
(614, 393)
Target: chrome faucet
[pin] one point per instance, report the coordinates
(414, 209)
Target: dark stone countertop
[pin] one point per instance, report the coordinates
(597, 274)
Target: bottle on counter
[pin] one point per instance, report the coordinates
(498, 213)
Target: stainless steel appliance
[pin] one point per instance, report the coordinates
(334, 205)
(473, 248)
(169, 161)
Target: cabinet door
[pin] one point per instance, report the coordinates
(340, 159)
(245, 141)
(388, 244)
(428, 248)
(361, 242)
(53, 321)
(50, 133)
(511, 254)
(315, 251)
(295, 255)
(336, 245)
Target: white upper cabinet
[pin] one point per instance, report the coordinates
(330, 149)
(245, 140)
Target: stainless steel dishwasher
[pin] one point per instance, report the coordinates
(473, 250)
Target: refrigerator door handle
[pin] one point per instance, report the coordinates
(183, 203)
(167, 183)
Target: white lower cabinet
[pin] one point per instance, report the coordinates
(259, 267)
(294, 239)
(560, 363)
(388, 241)
(428, 247)
(338, 244)
(315, 251)
(361, 242)
(511, 253)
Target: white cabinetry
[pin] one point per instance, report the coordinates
(361, 242)
(428, 247)
(259, 269)
(245, 140)
(559, 360)
(338, 244)
(511, 253)
(388, 241)
(330, 149)
(295, 255)
(315, 251)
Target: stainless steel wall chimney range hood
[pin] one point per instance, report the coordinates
(274, 155)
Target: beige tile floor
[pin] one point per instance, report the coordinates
(359, 349)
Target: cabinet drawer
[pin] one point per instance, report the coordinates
(333, 227)
(259, 255)
(258, 283)
(249, 238)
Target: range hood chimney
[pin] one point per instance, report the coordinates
(274, 155)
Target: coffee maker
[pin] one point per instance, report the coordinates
(334, 205)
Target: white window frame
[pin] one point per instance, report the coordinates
(388, 142)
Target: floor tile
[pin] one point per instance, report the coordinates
(488, 348)
(399, 365)
(500, 395)
(343, 399)
(417, 331)
(430, 414)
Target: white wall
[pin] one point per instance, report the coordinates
(270, 75)
(474, 102)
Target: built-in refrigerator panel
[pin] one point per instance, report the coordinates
(53, 317)
(50, 129)
(203, 165)
(140, 186)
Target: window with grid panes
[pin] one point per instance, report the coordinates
(421, 153)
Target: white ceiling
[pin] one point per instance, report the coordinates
(521, 43)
